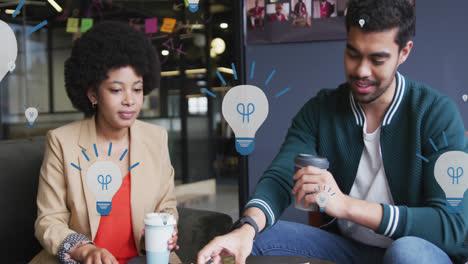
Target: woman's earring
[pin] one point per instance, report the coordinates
(94, 105)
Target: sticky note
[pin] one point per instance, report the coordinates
(151, 25)
(168, 25)
(72, 25)
(86, 24)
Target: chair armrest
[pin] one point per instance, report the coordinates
(197, 228)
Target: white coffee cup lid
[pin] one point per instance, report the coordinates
(160, 219)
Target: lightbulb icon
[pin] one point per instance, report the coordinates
(451, 172)
(31, 114)
(104, 179)
(322, 200)
(9, 49)
(362, 22)
(245, 108)
(193, 5)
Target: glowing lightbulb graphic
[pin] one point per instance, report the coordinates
(451, 172)
(362, 22)
(322, 200)
(9, 49)
(193, 5)
(245, 108)
(104, 179)
(31, 114)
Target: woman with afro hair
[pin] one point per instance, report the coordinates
(110, 69)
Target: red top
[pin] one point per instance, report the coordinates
(275, 17)
(115, 232)
(256, 11)
(325, 10)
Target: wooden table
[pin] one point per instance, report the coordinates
(253, 260)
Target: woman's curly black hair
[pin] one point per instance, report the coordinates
(381, 15)
(107, 46)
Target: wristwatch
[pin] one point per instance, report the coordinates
(246, 220)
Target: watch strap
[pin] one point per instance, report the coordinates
(246, 220)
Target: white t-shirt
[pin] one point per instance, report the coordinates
(371, 185)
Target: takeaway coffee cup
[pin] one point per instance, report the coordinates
(304, 160)
(158, 231)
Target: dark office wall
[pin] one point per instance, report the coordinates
(439, 59)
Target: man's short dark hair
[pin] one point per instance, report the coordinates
(382, 15)
(108, 46)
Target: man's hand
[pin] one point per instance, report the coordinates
(238, 244)
(90, 254)
(312, 180)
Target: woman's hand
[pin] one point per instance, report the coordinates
(90, 254)
(172, 243)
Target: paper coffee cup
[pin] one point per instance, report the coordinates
(304, 160)
(158, 231)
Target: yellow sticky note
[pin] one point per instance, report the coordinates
(168, 25)
(72, 25)
(86, 24)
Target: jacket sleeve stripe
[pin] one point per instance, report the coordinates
(266, 206)
(395, 223)
(390, 222)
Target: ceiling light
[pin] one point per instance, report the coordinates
(224, 25)
(218, 45)
(201, 83)
(165, 52)
(55, 5)
(10, 11)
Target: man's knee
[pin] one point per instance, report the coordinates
(414, 250)
(285, 235)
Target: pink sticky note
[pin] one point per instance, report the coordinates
(151, 25)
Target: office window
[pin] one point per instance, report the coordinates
(198, 105)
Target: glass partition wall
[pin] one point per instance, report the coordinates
(191, 48)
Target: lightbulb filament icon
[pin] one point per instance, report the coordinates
(243, 113)
(455, 175)
(105, 182)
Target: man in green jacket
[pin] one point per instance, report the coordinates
(382, 134)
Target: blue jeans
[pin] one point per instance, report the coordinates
(293, 239)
